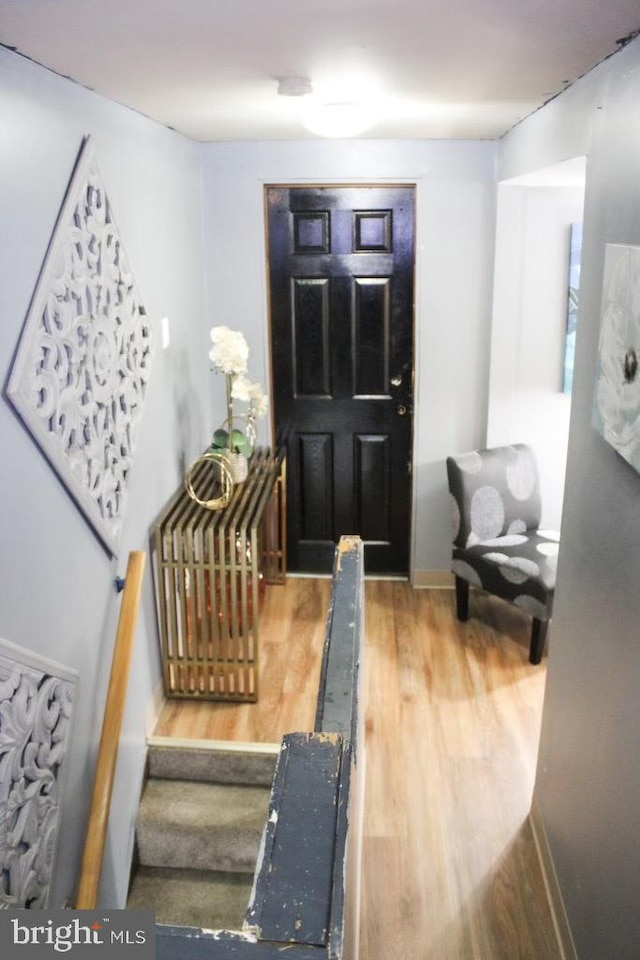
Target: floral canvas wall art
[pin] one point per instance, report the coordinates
(616, 406)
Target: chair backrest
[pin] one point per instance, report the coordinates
(494, 492)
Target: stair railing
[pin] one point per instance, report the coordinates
(307, 887)
(110, 737)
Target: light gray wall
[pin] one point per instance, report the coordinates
(56, 581)
(455, 241)
(526, 402)
(57, 595)
(588, 780)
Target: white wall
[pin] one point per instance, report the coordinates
(588, 779)
(455, 240)
(57, 596)
(526, 402)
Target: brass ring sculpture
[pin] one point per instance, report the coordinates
(225, 480)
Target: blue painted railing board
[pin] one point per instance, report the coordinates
(337, 706)
(300, 905)
(187, 943)
(335, 943)
(294, 886)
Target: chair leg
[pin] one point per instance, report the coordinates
(462, 599)
(538, 639)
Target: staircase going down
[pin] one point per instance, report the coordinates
(198, 833)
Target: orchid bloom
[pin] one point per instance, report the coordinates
(230, 351)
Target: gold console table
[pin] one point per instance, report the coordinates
(211, 569)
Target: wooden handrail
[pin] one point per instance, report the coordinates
(110, 737)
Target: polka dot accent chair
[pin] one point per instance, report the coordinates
(497, 543)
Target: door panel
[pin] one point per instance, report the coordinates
(341, 262)
(311, 373)
(372, 471)
(371, 336)
(315, 487)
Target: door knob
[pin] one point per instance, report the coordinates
(401, 410)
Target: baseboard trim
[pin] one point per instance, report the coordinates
(432, 580)
(552, 887)
(154, 709)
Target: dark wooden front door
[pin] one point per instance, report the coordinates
(341, 278)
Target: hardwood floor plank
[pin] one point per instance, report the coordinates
(453, 714)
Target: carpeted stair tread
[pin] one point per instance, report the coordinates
(203, 826)
(211, 765)
(198, 898)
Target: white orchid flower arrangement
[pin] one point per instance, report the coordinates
(230, 356)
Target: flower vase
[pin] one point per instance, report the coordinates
(238, 465)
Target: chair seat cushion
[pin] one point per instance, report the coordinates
(519, 567)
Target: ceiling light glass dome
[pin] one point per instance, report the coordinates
(339, 119)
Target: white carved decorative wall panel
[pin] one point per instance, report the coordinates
(36, 698)
(83, 363)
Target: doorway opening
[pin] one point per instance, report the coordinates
(531, 304)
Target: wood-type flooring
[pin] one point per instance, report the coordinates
(452, 727)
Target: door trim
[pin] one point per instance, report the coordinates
(413, 184)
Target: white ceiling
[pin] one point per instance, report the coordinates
(433, 68)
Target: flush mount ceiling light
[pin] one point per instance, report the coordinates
(339, 119)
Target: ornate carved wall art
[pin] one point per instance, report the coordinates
(83, 362)
(36, 697)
